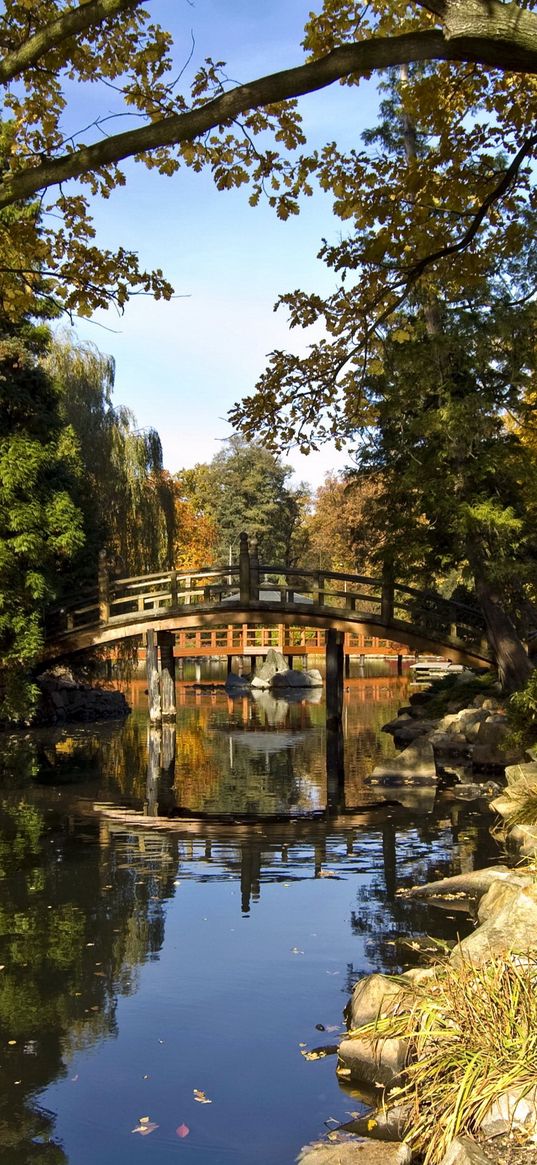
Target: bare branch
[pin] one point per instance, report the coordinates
(72, 22)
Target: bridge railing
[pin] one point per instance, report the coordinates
(250, 585)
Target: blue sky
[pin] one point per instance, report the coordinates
(181, 365)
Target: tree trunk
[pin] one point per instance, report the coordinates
(510, 655)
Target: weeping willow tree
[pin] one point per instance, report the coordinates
(126, 496)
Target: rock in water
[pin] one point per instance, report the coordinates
(416, 762)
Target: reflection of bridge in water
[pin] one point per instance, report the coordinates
(153, 608)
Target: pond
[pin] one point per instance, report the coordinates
(162, 983)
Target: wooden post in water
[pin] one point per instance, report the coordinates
(167, 675)
(334, 677)
(153, 678)
(103, 583)
(254, 571)
(244, 569)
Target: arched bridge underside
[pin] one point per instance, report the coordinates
(266, 596)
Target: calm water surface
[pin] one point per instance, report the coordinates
(140, 963)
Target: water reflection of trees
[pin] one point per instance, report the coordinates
(76, 922)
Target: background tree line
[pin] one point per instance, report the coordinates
(78, 476)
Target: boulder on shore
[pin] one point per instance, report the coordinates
(64, 699)
(415, 763)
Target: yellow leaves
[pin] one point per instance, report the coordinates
(401, 335)
(145, 1126)
(200, 1096)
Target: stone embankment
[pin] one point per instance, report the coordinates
(65, 699)
(458, 749)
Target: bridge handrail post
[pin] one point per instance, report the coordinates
(254, 571)
(244, 569)
(173, 587)
(387, 593)
(103, 583)
(320, 589)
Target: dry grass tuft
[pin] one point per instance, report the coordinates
(472, 1035)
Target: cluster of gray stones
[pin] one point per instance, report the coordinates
(64, 699)
(504, 904)
(276, 675)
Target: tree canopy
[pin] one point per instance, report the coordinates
(485, 62)
(244, 488)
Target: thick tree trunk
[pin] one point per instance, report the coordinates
(510, 655)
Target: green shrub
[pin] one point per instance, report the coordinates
(522, 714)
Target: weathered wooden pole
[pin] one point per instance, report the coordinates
(168, 699)
(254, 571)
(103, 583)
(334, 677)
(244, 569)
(153, 678)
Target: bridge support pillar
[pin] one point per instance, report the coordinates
(153, 678)
(160, 679)
(167, 675)
(334, 677)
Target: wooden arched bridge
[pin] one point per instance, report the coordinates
(154, 606)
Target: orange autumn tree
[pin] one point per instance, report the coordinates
(195, 530)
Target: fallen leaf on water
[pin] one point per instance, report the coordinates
(182, 1131)
(327, 874)
(11, 1042)
(332, 1027)
(200, 1096)
(144, 1126)
(296, 951)
(318, 1053)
